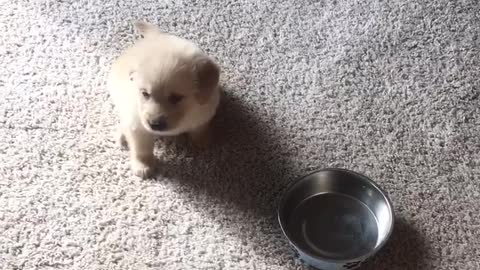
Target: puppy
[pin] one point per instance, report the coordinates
(163, 85)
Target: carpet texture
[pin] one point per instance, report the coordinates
(386, 88)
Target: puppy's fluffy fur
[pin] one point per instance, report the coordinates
(163, 85)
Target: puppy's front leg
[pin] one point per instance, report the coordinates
(141, 145)
(200, 136)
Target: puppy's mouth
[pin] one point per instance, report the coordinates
(158, 125)
(161, 128)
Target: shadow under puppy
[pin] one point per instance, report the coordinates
(163, 85)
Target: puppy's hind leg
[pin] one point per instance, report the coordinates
(141, 145)
(120, 138)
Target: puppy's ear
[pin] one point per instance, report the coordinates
(207, 75)
(133, 76)
(136, 78)
(145, 28)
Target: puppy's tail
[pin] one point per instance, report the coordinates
(145, 28)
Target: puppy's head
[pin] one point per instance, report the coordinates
(171, 83)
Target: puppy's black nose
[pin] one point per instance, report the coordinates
(158, 124)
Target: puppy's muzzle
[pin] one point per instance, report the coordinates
(158, 124)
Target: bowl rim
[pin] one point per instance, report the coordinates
(288, 190)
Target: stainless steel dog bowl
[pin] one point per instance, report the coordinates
(335, 218)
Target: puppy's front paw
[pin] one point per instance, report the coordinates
(143, 168)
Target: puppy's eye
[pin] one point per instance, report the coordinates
(145, 94)
(175, 98)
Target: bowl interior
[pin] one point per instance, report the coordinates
(336, 215)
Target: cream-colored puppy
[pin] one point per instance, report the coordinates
(162, 86)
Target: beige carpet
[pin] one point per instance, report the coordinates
(386, 88)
